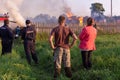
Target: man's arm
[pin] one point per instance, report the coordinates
(51, 42)
(74, 40)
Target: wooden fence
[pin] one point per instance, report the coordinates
(111, 28)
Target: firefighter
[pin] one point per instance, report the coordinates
(17, 32)
(61, 47)
(7, 37)
(28, 35)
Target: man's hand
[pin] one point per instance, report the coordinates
(51, 42)
(53, 47)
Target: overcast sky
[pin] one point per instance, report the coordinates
(82, 7)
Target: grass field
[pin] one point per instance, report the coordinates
(106, 62)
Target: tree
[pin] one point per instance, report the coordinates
(97, 11)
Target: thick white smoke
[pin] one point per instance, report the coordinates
(32, 8)
(12, 7)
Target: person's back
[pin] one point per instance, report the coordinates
(7, 37)
(87, 38)
(87, 42)
(61, 47)
(62, 35)
(6, 33)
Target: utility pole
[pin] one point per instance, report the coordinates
(111, 9)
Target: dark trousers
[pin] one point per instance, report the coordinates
(29, 47)
(6, 46)
(86, 59)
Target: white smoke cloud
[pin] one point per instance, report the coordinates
(31, 8)
(12, 6)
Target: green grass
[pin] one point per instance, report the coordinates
(106, 62)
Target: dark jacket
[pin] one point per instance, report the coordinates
(28, 33)
(6, 33)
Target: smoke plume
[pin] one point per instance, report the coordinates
(31, 8)
(35, 7)
(12, 7)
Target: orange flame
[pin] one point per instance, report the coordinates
(69, 14)
(80, 20)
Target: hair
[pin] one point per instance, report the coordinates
(28, 22)
(6, 21)
(90, 21)
(61, 19)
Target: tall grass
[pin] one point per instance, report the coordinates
(106, 61)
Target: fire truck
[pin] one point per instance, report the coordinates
(4, 16)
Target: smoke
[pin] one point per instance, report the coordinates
(12, 7)
(31, 8)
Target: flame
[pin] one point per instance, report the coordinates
(69, 14)
(80, 20)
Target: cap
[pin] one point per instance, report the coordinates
(28, 22)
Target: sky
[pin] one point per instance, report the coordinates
(82, 7)
(32, 8)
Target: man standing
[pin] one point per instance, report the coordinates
(61, 47)
(28, 35)
(7, 36)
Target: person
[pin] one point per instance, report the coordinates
(28, 34)
(87, 42)
(17, 32)
(7, 36)
(61, 47)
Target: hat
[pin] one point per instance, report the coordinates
(28, 22)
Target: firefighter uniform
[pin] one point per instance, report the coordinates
(7, 36)
(28, 35)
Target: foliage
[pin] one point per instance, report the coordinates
(97, 11)
(97, 7)
(106, 62)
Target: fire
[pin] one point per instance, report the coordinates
(69, 14)
(80, 21)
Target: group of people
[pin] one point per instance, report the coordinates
(61, 46)
(28, 35)
(59, 42)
